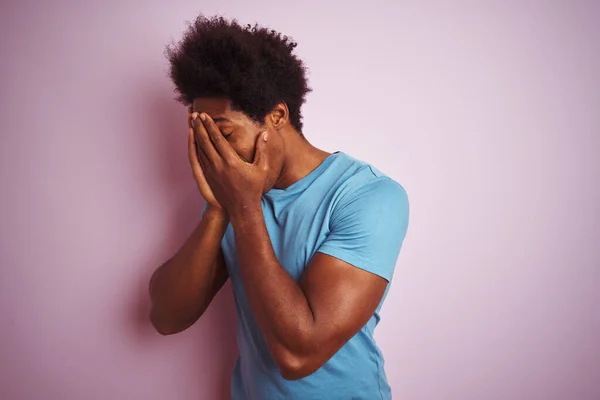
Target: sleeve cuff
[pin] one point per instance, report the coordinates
(357, 262)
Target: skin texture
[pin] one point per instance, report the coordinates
(182, 288)
(306, 323)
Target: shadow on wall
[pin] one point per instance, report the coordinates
(213, 336)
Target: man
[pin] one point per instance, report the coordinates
(308, 239)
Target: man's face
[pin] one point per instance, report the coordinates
(242, 133)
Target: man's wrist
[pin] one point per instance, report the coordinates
(215, 214)
(243, 216)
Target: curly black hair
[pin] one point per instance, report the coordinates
(252, 66)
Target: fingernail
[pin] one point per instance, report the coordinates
(203, 117)
(265, 136)
(194, 115)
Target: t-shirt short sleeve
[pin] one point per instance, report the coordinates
(368, 226)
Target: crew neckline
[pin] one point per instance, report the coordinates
(305, 181)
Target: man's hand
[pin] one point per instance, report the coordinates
(193, 150)
(237, 185)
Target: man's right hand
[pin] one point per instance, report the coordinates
(205, 189)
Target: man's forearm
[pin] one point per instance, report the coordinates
(182, 288)
(278, 303)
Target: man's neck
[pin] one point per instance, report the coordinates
(301, 159)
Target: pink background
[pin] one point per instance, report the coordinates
(488, 114)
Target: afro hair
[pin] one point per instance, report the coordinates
(252, 66)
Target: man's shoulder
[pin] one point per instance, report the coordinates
(358, 179)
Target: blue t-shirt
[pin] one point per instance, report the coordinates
(349, 210)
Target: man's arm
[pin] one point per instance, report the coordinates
(183, 287)
(304, 325)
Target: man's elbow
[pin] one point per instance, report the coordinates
(293, 367)
(166, 326)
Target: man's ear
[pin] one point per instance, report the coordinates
(279, 116)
